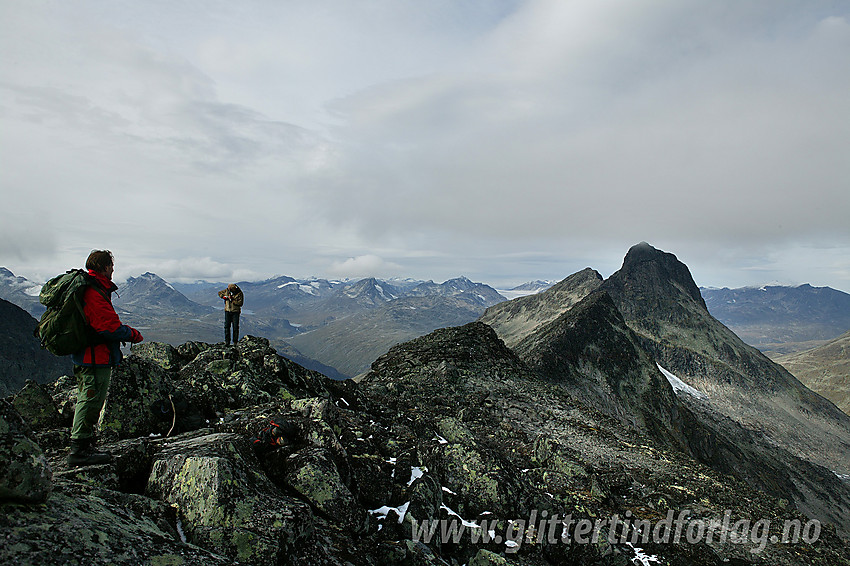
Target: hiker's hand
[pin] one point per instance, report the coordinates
(136, 336)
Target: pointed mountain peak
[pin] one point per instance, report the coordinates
(643, 252)
(151, 276)
(652, 272)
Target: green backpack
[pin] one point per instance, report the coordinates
(63, 328)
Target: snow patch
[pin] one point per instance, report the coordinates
(384, 510)
(463, 521)
(643, 558)
(415, 474)
(309, 289)
(32, 291)
(680, 386)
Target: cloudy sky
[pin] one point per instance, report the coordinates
(503, 140)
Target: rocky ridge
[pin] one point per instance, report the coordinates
(448, 426)
(661, 303)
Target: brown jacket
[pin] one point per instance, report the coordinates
(233, 298)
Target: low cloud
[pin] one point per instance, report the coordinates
(362, 266)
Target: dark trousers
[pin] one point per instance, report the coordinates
(231, 318)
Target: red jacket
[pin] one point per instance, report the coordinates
(101, 316)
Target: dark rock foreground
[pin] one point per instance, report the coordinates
(452, 426)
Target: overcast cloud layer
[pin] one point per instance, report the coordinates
(501, 140)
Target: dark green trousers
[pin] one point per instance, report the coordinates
(92, 385)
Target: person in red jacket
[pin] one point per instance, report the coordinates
(93, 364)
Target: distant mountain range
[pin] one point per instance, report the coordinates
(20, 291)
(781, 319)
(327, 324)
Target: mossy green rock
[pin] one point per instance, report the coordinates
(224, 504)
(313, 474)
(139, 402)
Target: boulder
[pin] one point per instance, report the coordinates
(486, 558)
(164, 355)
(34, 403)
(25, 474)
(139, 401)
(426, 498)
(85, 524)
(230, 378)
(64, 394)
(312, 473)
(223, 503)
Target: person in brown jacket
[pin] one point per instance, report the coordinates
(233, 300)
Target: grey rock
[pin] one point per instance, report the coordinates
(25, 474)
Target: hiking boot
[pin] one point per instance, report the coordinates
(83, 453)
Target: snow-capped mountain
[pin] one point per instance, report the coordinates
(149, 293)
(20, 291)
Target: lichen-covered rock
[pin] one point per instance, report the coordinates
(312, 473)
(25, 474)
(34, 403)
(164, 355)
(190, 350)
(219, 378)
(479, 480)
(486, 558)
(86, 524)
(224, 503)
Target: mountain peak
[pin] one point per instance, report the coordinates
(655, 271)
(642, 252)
